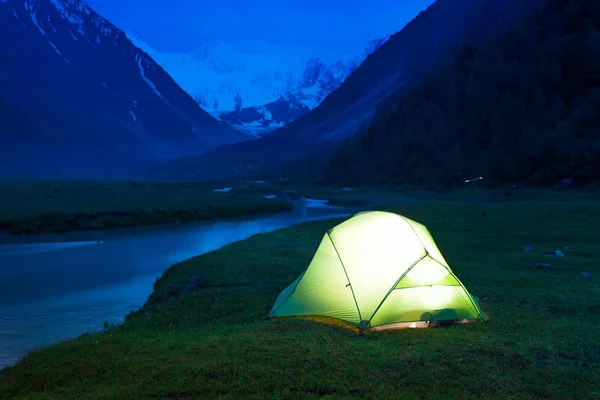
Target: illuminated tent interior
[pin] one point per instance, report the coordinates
(379, 271)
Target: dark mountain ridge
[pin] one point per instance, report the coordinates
(426, 44)
(524, 108)
(319, 80)
(78, 99)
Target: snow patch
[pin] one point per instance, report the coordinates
(76, 12)
(104, 26)
(258, 128)
(33, 13)
(253, 124)
(58, 52)
(267, 115)
(133, 116)
(54, 47)
(253, 128)
(261, 73)
(148, 81)
(73, 36)
(17, 16)
(64, 11)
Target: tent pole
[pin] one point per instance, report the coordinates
(395, 283)
(347, 278)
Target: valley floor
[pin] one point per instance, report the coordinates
(541, 339)
(31, 207)
(45, 206)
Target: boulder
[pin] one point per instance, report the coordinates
(566, 183)
(290, 196)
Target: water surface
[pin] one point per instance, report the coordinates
(52, 291)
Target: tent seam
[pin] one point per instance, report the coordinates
(347, 277)
(291, 293)
(415, 232)
(420, 240)
(396, 283)
(475, 306)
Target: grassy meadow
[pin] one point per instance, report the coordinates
(46, 206)
(62, 206)
(204, 333)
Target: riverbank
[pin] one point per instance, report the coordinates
(541, 340)
(33, 207)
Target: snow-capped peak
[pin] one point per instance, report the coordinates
(71, 10)
(229, 76)
(318, 79)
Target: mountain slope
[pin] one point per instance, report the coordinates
(317, 81)
(426, 44)
(77, 98)
(216, 72)
(523, 108)
(257, 87)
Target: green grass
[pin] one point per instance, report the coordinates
(44, 206)
(542, 338)
(62, 206)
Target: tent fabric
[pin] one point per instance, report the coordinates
(376, 270)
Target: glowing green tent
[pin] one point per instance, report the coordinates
(379, 270)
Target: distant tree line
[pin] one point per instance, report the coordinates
(524, 107)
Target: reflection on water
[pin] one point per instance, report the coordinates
(55, 291)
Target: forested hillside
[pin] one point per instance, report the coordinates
(522, 107)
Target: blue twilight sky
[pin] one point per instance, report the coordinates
(183, 25)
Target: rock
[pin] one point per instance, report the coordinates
(289, 195)
(559, 253)
(565, 183)
(542, 266)
(588, 275)
(528, 249)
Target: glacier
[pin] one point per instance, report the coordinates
(255, 86)
(216, 72)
